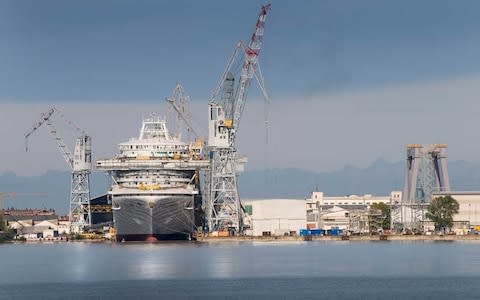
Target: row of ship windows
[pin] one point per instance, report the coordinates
(350, 203)
(165, 153)
(344, 203)
(154, 147)
(147, 177)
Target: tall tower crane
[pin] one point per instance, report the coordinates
(80, 164)
(222, 206)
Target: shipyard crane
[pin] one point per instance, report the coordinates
(179, 102)
(222, 206)
(80, 164)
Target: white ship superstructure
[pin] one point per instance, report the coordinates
(155, 184)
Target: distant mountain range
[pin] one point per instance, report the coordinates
(380, 178)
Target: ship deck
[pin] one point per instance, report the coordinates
(153, 164)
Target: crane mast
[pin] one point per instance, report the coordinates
(80, 164)
(222, 206)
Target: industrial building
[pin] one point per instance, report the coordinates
(353, 200)
(274, 216)
(278, 217)
(468, 215)
(42, 230)
(350, 213)
(101, 211)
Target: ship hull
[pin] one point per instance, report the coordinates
(154, 217)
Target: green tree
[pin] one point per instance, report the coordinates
(6, 234)
(3, 226)
(386, 213)
(441, 211)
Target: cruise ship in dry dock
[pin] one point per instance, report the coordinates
(155, 192)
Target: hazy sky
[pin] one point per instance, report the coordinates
(351, 81)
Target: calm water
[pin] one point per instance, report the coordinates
(246, 270)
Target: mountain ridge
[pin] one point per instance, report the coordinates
(379, 178)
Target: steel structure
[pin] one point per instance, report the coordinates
(80, 163)
(179, 102)
(222, 205)
(425, 172)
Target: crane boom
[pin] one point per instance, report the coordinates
(230, 62)
(46, 119)
(178, 102)
(64, 151)
(80, 163)
(252, 51)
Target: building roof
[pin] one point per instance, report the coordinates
(457, 193)
(46, 223)
(99, 200)
(35, 218)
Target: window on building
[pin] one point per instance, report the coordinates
(249, 209)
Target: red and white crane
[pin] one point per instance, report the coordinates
(222, 204)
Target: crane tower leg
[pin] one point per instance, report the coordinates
(80, 215)
(223, 205)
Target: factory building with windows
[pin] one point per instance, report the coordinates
(351, 212)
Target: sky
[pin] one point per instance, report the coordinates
(350, 81)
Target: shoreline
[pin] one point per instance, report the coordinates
(281, 239)
(352, 238)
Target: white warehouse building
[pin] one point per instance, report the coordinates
(275, 216)
(469, 207)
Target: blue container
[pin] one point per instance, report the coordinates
(335, 231)
(316, 231)
(305, 232)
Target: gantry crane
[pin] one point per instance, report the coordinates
(222, 206)
(80, 164)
